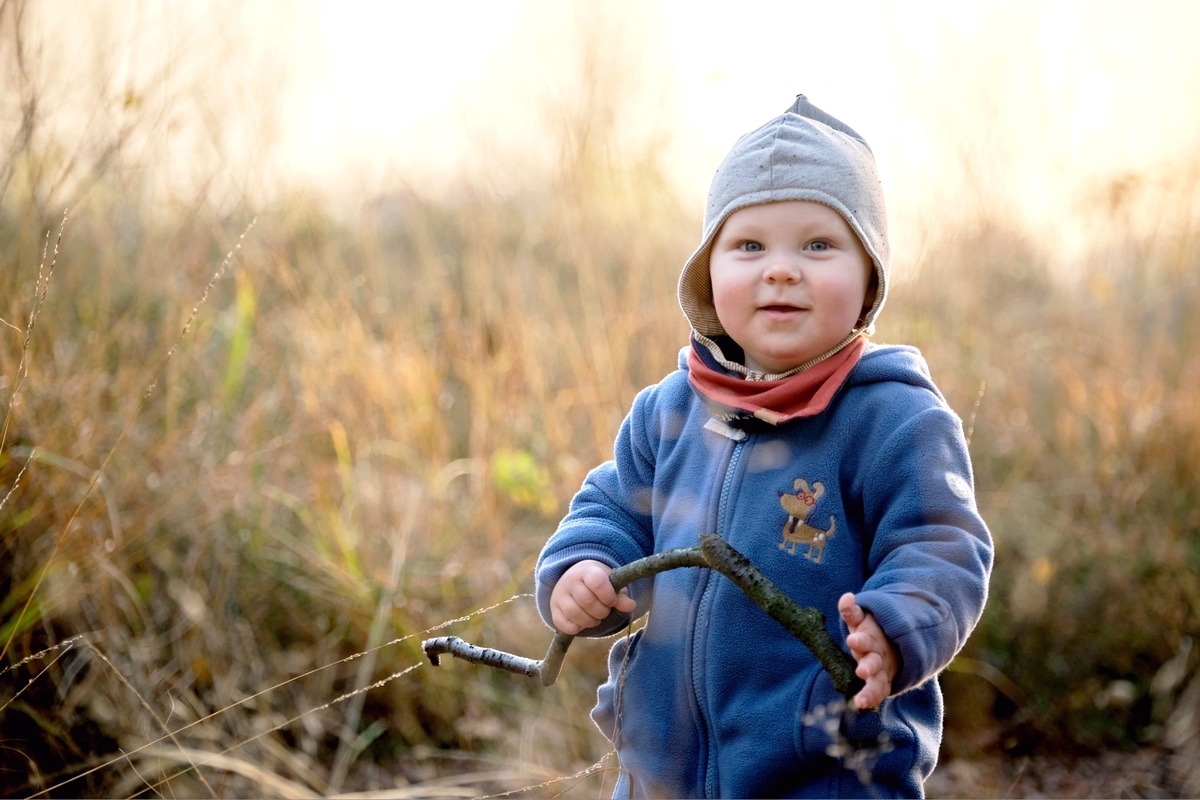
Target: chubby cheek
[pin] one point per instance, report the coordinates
(850, 297)
(853, 305)
(728, 296)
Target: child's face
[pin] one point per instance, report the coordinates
(789, 280)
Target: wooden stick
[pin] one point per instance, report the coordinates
(806, 624)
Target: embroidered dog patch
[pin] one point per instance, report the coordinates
(799, 504)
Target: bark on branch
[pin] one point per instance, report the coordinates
(806, 624)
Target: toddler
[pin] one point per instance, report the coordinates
(834, 464)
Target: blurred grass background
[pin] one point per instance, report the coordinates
(253, 450)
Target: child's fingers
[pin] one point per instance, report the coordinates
(584, 597)
(874, 654)
(573, 616)
(869, 666)
(624, 602)
(851, 613)
(862, 642)
(564, 621)
(598, 583)
(876, 683)
(589, 602)
(872, 694)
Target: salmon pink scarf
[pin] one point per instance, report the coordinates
(804, 394)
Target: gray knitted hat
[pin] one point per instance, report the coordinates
(805, 154)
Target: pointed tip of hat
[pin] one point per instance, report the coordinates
(804, 108)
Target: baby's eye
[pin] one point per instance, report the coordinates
(752, 247)
(820, 245)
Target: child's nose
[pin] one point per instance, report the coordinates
(783, 268)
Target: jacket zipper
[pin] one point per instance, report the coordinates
(710, 777)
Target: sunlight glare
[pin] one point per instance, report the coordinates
(1020, 110)
(381, 79)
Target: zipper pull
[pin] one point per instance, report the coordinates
(724, 429)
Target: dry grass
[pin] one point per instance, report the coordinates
(253, 507)
(1083, 446)
(236, 491)
(242, 516)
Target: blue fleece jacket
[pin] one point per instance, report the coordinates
(711, 697)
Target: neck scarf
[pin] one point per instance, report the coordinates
(804, 394)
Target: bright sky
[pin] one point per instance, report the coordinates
(1001, 99)
(1026, 105)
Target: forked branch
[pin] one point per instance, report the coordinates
(806, 624)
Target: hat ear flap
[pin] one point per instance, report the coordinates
(869, 301)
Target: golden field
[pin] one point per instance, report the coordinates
(252, 452)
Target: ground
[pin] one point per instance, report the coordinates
(1142, 774)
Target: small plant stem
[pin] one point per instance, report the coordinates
(806, 624)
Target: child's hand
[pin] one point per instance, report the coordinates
(877, 659)
(584, 596)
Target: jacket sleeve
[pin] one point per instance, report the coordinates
(930, 557)
(610, 519)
